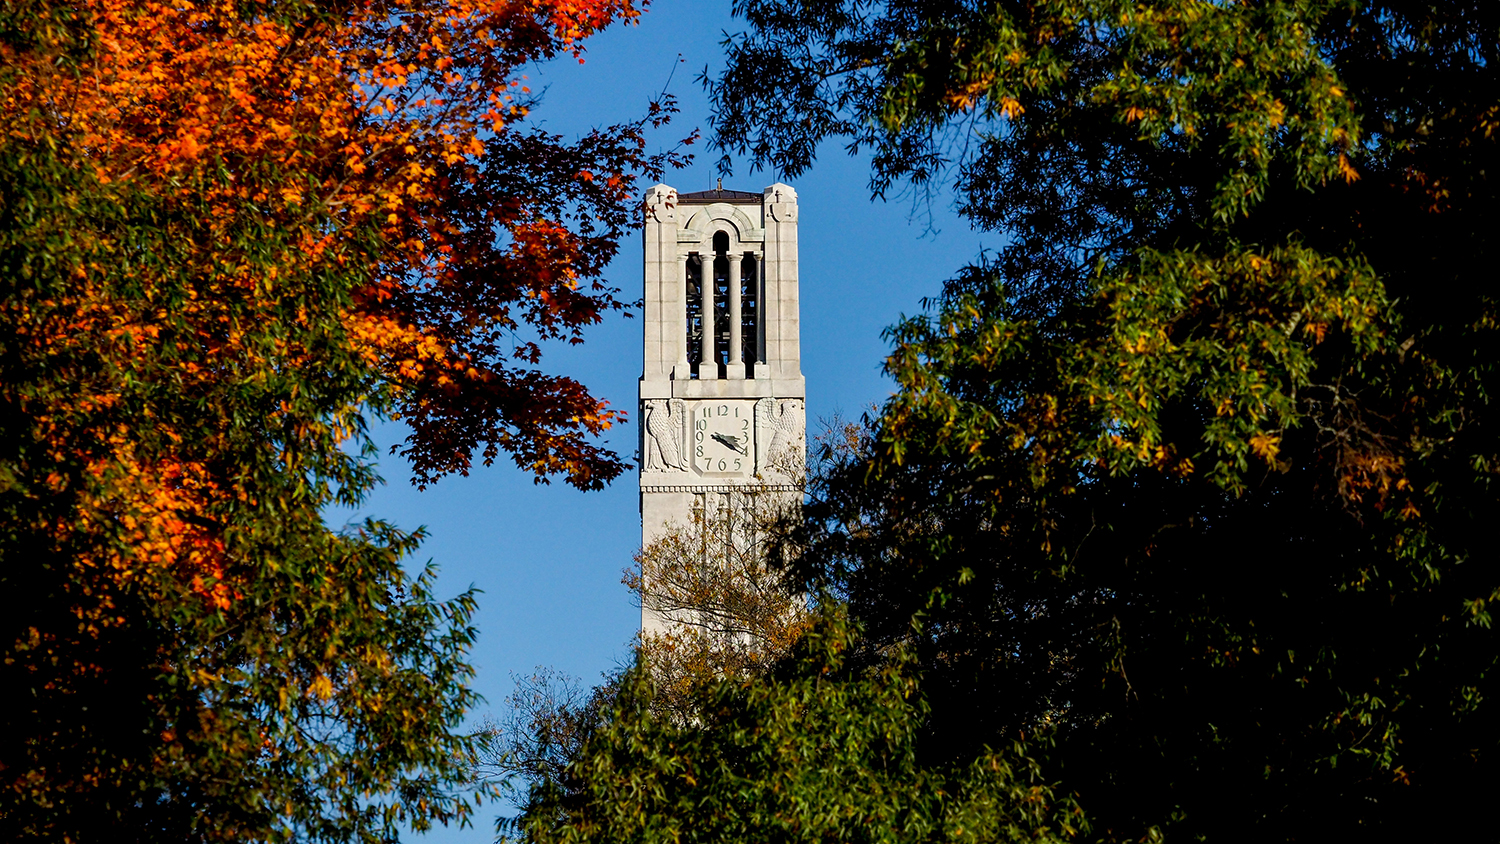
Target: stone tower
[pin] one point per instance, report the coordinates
(722, 395)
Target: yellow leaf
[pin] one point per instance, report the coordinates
(1265, 446)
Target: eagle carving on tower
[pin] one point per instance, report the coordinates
(783, 421)
(663, 445)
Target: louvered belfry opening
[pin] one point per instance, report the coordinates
(749, 294)
(721, 301)
(694, 289)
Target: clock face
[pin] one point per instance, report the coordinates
(723, 438)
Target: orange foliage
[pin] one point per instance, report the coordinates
(363, 113)
(330, 121)
(334, 212)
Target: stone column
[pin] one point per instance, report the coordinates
(735, 371)
(683, 370)
(708, 363)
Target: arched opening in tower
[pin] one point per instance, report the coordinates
(749, 313)
(710, 308)
(721, 301)
(694, 290)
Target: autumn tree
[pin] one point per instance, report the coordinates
(230, 233)
(1194, 476)
(716, 588)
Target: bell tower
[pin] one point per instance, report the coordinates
(722, 398)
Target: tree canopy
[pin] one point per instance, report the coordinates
(821, 749)
(230, 233)
(1193, 477)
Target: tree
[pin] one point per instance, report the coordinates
(817, 751)
(229, 232)
(1197, 469)
(717, 586)
(547, 721)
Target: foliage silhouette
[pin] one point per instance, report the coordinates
(1195, 473)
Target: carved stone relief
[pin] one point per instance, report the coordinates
(780, 427)
(664, 421)
(783, 203)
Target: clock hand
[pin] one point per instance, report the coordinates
(731, 442)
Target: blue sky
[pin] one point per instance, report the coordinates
(548, 558)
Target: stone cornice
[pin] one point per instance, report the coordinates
(731, 487)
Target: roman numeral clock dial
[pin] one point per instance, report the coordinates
(724, 438)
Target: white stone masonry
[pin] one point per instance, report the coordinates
(702, 435)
